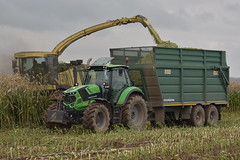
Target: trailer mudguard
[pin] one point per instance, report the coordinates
(128, 91)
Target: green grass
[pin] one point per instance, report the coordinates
(221, 141)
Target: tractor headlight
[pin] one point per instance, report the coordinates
(72, 93)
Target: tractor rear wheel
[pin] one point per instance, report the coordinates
(96, 117)
(134, 113)
(211, 114)
(197, 117)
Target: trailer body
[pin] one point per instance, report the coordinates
(175, 80)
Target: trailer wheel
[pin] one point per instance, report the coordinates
(197, 117)
(96, 117)
(134, 114)
(211, 114)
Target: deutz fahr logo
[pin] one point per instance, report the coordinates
(91, 97)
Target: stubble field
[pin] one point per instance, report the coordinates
(23, 135)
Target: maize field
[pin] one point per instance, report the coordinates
(23, 135)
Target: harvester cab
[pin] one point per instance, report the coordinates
(104, 99)
(37, 64)
(44, 68)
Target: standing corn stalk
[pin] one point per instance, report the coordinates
(20, 103)
(234, 96)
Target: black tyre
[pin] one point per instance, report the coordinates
(211, 115)
(197, 117)
(96, 117)
(134, 113)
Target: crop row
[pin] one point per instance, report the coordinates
(21, 104)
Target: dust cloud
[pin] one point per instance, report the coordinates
(6, 63)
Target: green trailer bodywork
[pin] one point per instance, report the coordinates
(175, 78)
(147, 83)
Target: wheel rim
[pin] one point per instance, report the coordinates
(100, 119)
(199, 117)
(136, 113)
(212, 116)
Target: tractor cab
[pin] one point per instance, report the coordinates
(101, 82)
(111, 79)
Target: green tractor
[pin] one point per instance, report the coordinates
(107, 97)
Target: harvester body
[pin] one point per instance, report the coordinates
(45, 67)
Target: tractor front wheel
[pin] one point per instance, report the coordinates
(134, 113)
(96, 117)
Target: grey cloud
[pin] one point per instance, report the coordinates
(54, 14)
(40, 25)
(233, 7)
(5, 63)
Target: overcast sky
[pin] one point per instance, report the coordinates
(28, 25)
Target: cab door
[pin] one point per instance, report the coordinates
(120, 81)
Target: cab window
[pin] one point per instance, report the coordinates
(119, 80)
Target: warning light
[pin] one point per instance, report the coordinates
(126, 59)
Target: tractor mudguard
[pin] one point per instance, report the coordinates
(101, 100)
(128, 91)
